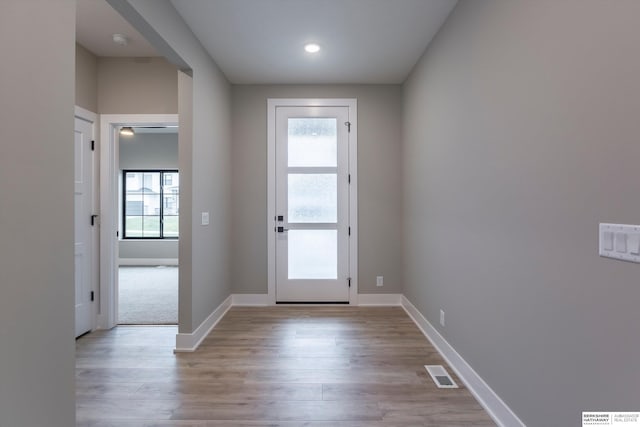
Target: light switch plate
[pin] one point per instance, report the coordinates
(620, 241)
(205, 218)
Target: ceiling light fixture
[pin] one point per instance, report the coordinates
(312, 47)
(120, 39)
(127, 131)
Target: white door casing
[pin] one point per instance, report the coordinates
(83, 235)
(109, 212)
(312, 201)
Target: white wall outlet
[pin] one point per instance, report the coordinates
(205, 218)
(442, 317)
(379, 281)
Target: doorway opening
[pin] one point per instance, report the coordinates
(139, 180)
(149, 209)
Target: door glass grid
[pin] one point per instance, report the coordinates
(312, 198)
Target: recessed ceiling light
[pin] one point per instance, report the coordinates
(312, 47)
(126, 131)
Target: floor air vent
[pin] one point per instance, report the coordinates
(440, 376)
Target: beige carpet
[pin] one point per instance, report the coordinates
(148, 295)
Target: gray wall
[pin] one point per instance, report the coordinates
(137, 86)
(521, 134)
(208, 183)
(379, 174)
(36, 213)
(164, 250)
(185, 244)
(149, 151)
(108, 85)
(133, 86)
(86, 79)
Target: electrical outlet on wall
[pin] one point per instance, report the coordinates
(379, 281)
(205, 218)
(442, 317)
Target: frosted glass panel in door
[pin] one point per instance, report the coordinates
(313, 198)
(313, 254)
(312, 142)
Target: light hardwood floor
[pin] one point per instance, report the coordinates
(271, 366)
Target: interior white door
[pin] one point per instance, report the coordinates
(83, 173)
(312, 204)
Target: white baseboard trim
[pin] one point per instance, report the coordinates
(490, 401)
(102, 322)
(190, 342)
(379, 299)
(250, 299)
(148, 261)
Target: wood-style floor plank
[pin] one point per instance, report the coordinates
(271, 366)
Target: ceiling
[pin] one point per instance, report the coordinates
(261, 41)
(363, 41)
(97, 22)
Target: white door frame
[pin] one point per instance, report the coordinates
(272, 104)
(109, 213)
(92, 118)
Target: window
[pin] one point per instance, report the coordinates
(150, 204)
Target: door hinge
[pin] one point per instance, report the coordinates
(349, 231)
(93, 219)
(348, 125)
(349, 178)
(93, 145)
(349, 281)
(92, 296)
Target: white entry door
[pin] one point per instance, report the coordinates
(83, 233)
(312, 204)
